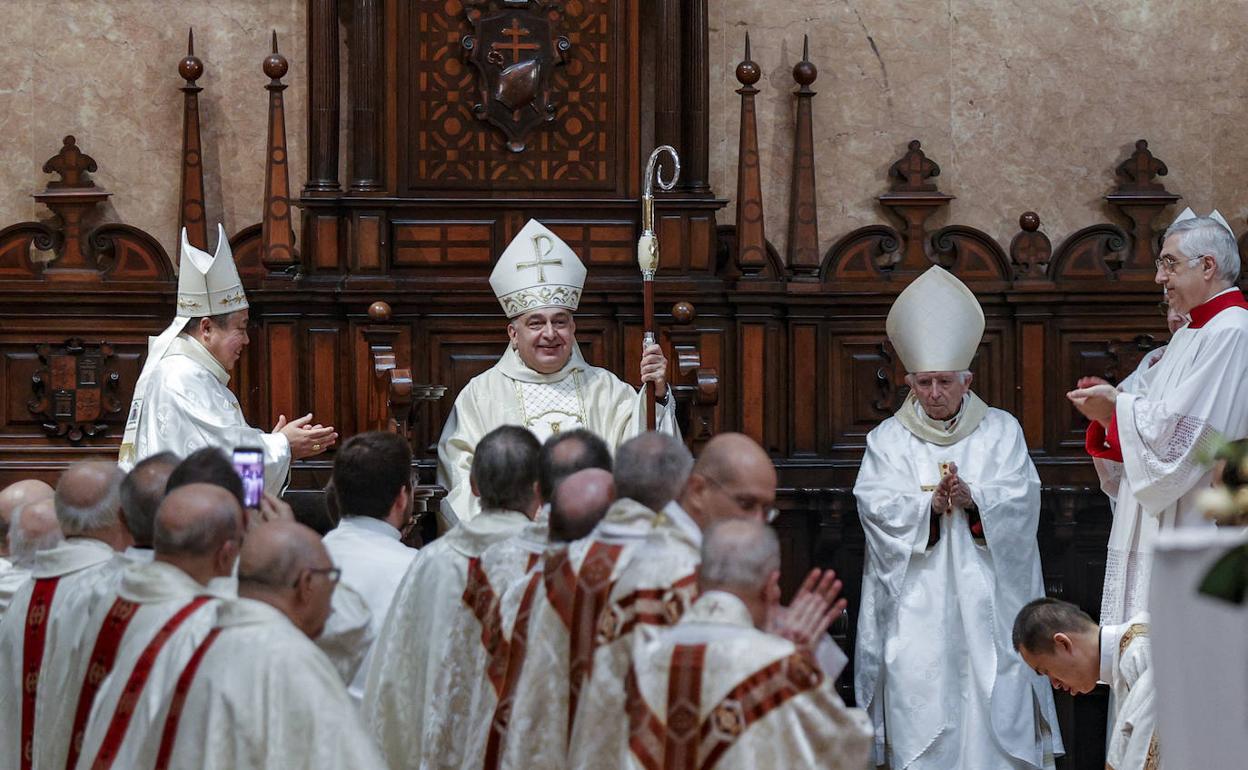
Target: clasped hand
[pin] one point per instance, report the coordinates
(654, 369)
(305, 439)
(951, 492)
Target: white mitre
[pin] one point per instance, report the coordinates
(935, 324)
(537, 270)
(1214, 215)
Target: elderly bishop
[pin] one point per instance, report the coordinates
(1148, 444)
(949, 502)
(181, 402)
(542, 381)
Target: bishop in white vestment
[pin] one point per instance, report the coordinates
(1150, 444)
(181, 402)
(949, 502)
(542, 381)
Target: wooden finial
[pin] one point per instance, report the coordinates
(275, 65)
(748, 72)
(190, 68)
(804, 72)
(806, 47)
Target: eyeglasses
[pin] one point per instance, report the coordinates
(745, 502)
(333, 573)
(1170, 264)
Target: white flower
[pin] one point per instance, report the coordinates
(1216, 502)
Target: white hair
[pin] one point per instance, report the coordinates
(22, 546)
(739, 554)
(1205, 236)
(964, 375)
(652, 469)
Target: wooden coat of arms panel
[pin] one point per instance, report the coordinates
(515, 96)
(75, 390)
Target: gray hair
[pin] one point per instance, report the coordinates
(141, 493)
(1205, 236)
(88, 497)
(652, 469)
(738, 554)
(504, 468)
(1040, 619)
(23, 545)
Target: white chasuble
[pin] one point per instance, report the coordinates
(1198, 634)
(256, 693)
(45, 642)
(655, 588)
(1195, 394)
(562, 635)
(510, 393)
(185, 405)
(1126, 666)
(12, 577)
(428, 624)
(169, 615)
(934, 665)
(715, 692)
(466, 724)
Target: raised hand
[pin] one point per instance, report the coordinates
(306, 440)
(814, 608)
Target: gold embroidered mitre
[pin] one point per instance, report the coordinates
(208, 284)
(935, 324)
(537, 270)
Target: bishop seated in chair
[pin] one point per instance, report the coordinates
(542, 381)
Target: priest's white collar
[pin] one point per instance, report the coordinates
(140, 555)
(1109, 636)
(681, 519)
(626, 519)
(470, 538)
(157, 581)
(186, 345)
(371, 525)
(71, 555)
(719, 607)
(514, 367)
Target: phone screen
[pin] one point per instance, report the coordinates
(249, 463)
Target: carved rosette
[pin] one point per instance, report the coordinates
(75, 390)
(514, 47)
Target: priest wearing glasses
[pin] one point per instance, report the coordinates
(1150, 444)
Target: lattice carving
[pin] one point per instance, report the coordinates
(449, 147)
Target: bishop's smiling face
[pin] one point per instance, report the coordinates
(543, 338)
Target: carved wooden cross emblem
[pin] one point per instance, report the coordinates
(515, 32)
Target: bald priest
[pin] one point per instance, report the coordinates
(542, 381)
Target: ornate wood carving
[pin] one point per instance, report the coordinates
(751, 238)
(695, 384)
(109, 252)
(1030, 251)
(366, 96)
(445, 147)
(695, 83)
(1141, 198)
(973, 254)
(803, 243)
(323, 98)
(277, 237)
(514, 47)
(75, 391)
(191, 213)
(914, 198)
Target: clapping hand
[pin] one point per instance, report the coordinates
(1095, 400)
(815, 607)
(306, 440)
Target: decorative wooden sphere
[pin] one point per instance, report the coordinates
(1029, 221)
(191, 68)
(805, 72)
(684, 312)
(748, 73)
(379, 311)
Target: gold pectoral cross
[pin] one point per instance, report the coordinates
(540, 261)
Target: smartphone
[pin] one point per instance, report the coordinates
(249, 464)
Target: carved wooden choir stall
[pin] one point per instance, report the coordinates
(466, 118)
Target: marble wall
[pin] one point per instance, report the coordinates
(1023, 105)
(106, 72)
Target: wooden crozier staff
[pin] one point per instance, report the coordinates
(648, 253)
